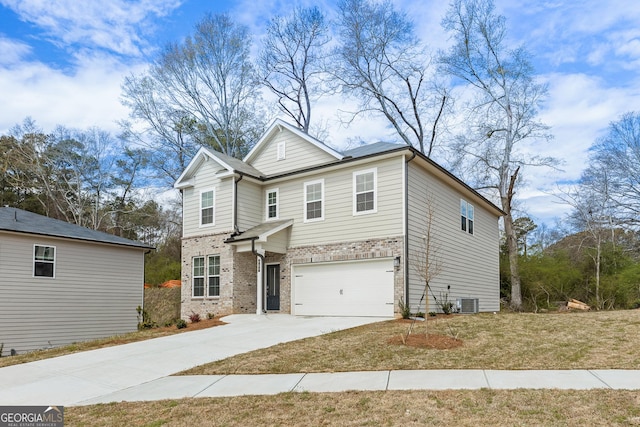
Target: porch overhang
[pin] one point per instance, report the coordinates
(270, 236)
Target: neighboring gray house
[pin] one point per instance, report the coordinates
(61, 283)
(298, 227)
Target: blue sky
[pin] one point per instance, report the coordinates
(62, 62)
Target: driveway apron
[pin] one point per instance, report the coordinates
(75, 378)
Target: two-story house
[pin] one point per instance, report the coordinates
(298, 227)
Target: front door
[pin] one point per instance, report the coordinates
(273, 287)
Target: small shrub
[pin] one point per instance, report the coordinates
(144, 320)
(1, 348)
(210, 316)
(194, 317)
(445, 305)
(405, 311)
(432, 314)
(170, 322)
(419, 314)
(181, 324)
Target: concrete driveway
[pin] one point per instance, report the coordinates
(72, 379)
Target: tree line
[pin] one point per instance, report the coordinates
(469, 107)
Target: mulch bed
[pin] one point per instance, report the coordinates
(434, 341)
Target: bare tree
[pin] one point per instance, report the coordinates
(503, 114)
(166, 133)
(292, 61)
(615, 166)
(381, 62)
(592, 217)
(209, 80)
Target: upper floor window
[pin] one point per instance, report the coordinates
(466, 216)
(314, 200)
(272, 204)
(364, 191)
(44, 261)
(281, 150)
(207, 207)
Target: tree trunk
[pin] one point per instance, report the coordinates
(512, 245)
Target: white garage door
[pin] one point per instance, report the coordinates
(362, 288)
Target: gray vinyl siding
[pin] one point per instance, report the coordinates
(300, 154)
(339, 224)
(250, 205)
(94, 294)
(469, 264)
(205, 180)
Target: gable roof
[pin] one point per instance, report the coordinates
(231, 164)
(276, 126)
(20, 221)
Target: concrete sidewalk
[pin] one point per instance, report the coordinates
(237, 385)
(79, 377)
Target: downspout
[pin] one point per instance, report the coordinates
(260, 299)
(236, 229)
(406, 228)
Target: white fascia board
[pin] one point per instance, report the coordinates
(185, 179)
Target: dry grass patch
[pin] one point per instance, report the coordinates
(593, 340)
(390, 408)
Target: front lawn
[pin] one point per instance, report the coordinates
(591, 340)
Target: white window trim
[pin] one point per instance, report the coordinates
(375, 192)
(200, 208)
(466, 217)
(281, 150)
(266, 203)
(193, 277)
(33, 261)
(304, 208)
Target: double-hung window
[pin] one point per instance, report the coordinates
(213, 276)
(207, 207)
(314, 200)
(44, 261)
(272, 204)
(198, 277)
(206, 277)
(364, 192)
(466, 216)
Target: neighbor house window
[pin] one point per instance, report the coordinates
(364, 192)
(198, 276)
(466, 216)
(272, 204)
(44, 261)
(281, 155)
(207, 207)
(314, 200)
(213, 276)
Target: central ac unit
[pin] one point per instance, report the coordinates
(467, 305)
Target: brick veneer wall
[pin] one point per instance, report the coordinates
(230, 271)
(345, 251)
(238, 271)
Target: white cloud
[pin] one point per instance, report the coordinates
(88, 97)
(113, 25)
(12, 51)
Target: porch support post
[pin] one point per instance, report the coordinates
(260, 281)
